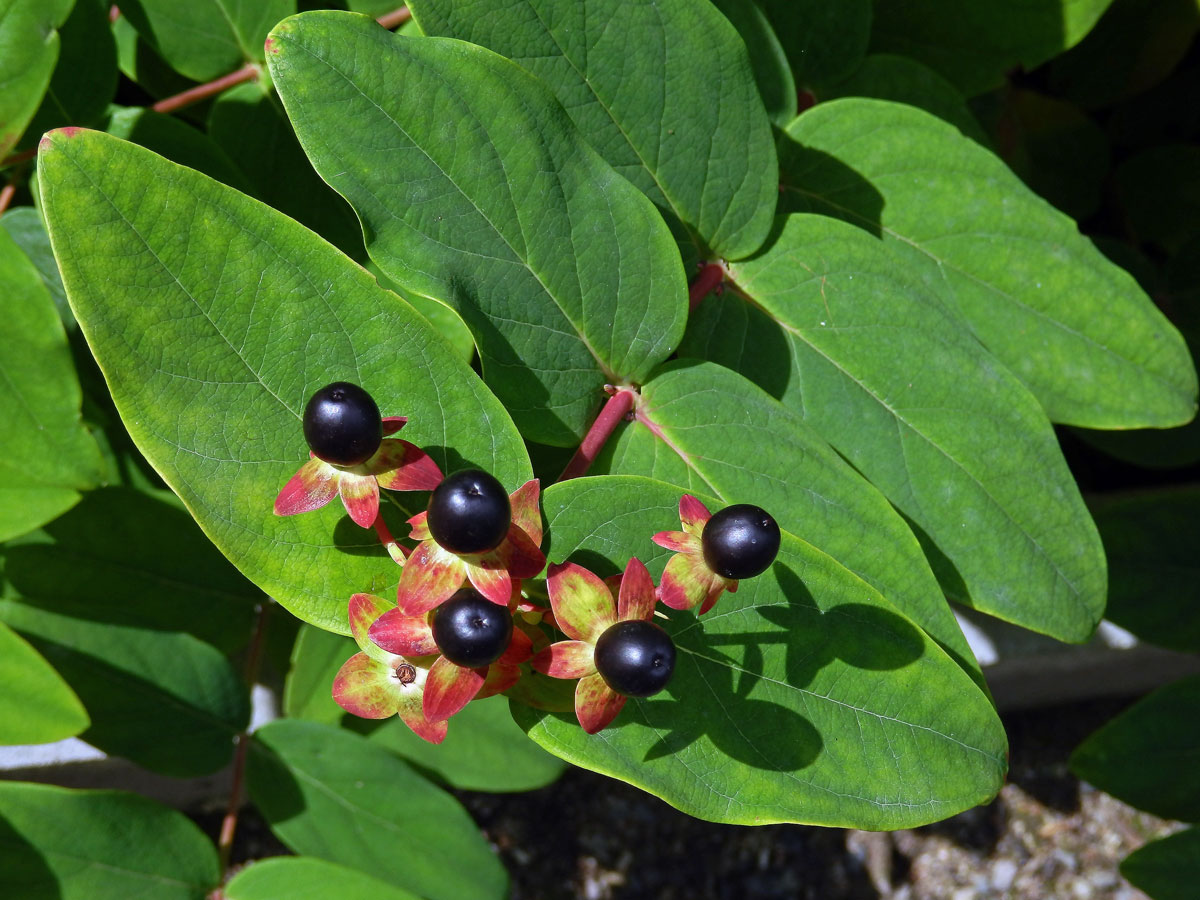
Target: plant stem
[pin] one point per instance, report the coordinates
(395, 19)
(229, 823)
(6, 194)
(192, 96)
(615, 410)
(711, 275)
(18, 158)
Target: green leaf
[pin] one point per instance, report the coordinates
(241, 314)
(248, 122)
(825, 41)
(444, 320)
(316, 657)
(139, 560)
(665, 91)
(204, 39)
(564, 273)
(46, 456)
(306, 878)
(1160, 192)
(100, 845)
(708, 429)
(1071, 325)
(36, 706)
(772, 72)
(141, 64)
(483, 750)
(1154, 576)
(176, 140)
(85, 78)
(29, 46)
(1166, 869)
(24, 225)
(975, 44)
(803, 697)
(1149, 755)
(332, 794)
(903, 80)
(834, 324)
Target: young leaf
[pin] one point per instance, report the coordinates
(308, 878)
(876, 367)
(1149, 755)
(1074, 327)
(31, 43)
(100, 845)
(331, 794)
(1166, 869)
(708, 429)
(240, 315)
(36, 705)
(47, 457)
(474, 188)
(803, 697)
(699, 144)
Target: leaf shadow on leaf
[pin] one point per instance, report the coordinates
(24, 867)
(812, 181)
(272, 786)
(763, 354)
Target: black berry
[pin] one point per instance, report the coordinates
(635, 658)
(470, 630)
(469, 512)
(740, 541)
(342, 424)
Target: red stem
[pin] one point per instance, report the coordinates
(192, 96)
(229, 823)
(17, 158)
(6, 195)
(395, 18)
(711, 275)
(615, 410)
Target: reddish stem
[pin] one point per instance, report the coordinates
(711, 275)
(395, 19)
(229, 823)
(615, 410)
(805, 99)
(192, 96)
(17, 158)
(6, 195)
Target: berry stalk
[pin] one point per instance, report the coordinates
(615, 410)
(711, 275)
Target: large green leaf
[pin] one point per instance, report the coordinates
(24, 225)
(1074, 327)
(29, 45)
(331, 794)
(825, 41)
(99, 845)
(772, 72)
(46, 456)
(474, 187)
(803, 697)
(204, 39)
(1167, 869)
(306, 878)
(178, 141)
(836, 327)
(1149, 755)
(240, 315)
(975, 44)
(665, 91)
(707, 429)
(36, 705)
(1154, 575)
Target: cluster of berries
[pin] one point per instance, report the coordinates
(461, 628)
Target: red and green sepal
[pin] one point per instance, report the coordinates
(687, 580)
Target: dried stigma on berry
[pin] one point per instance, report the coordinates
(342, 424)
(740, 541)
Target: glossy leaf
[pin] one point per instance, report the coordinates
(825, 41)
(316, 658)
(475, 188)
(36, 705)
(30, 44)
(871, 361)
(699, 145)
(178, 141)
(483, 750)
(47, 457)
(1154, 575)
(24, 225)
(804, 697)
(975, 44)
(205, 39)
(308, 878)
(444, 320)
(331, 794)
(772, 72)
(1071, 325)
(709, 430)
(1149, 755)
(243, 314)
(100, 845)
(1166, 869)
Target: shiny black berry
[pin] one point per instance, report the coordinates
(740, 541)
(635, 658)
(342, 424)
(470, 630)
(469, 512)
